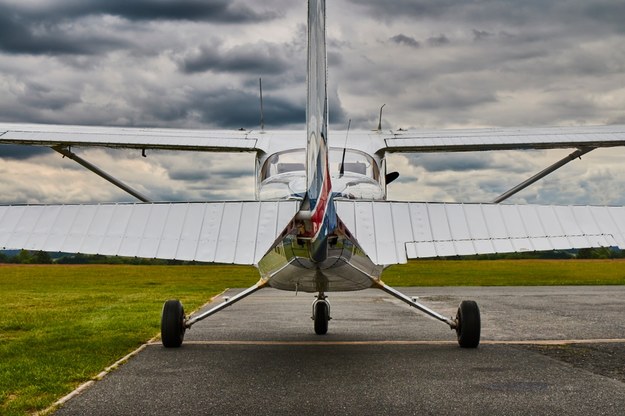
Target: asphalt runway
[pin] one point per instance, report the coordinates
(381, 357)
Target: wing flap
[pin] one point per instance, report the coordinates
(223, 232)
(393, 232)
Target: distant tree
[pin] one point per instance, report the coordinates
(599, 253)
(73, 259)
(23, 257)
(41, 257)
(4, 258)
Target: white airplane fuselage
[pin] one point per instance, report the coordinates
(316, 253)
(291, 265)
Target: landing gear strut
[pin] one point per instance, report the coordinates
(467, 322)
(321, 314)
(174, 323)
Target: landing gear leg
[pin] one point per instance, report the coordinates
(174, 323)
(467, 323)
(321, 314)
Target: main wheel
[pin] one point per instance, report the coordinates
(172, 324)
(322, 317)
(469, 326)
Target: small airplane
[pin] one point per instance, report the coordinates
(320, 222)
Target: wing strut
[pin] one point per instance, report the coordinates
(578, 153)
(68, 153)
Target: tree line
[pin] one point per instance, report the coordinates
(42, 257)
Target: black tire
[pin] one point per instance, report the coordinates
(469, 325)
(321, 318)
(172, 324)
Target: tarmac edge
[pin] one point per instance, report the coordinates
(84, 386)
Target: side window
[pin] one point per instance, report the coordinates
(284, 162)
(356, 167)
(290, 167)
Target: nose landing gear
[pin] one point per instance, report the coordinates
(321, 314)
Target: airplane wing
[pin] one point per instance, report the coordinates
(392, 232)
(129, 138)
(446, 140)
(222, 232)
(482, 139)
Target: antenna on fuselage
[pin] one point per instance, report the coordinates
(380, 120)
(262, 115)
(342, 169)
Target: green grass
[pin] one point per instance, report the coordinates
(62, 325)
(506, 273)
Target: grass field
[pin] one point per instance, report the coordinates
(61, 325)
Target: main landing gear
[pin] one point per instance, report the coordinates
(172, 324)
(321, 314)
(466, 324)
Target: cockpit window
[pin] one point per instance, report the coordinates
(356, 163)
(284, 162)
(355, 167)
(290, 167)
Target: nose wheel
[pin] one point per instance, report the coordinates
(321, 314)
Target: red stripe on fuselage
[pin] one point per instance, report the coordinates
(321, 206)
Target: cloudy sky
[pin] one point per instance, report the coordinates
(196, 64)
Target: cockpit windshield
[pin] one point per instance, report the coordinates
(356, 163)
(283, 175)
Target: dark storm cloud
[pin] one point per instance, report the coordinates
(55, 27)
(216, 11)
(17, 152)
(479, 35)
(608, 12)
(408, 8)
(40, 96)
(18, 35)
(439, 40)
(510, 12)
(452, 162)
(259, 59)
(513, 163)
(225, 108)
(239, 109)
(402, 39)
(186, 174)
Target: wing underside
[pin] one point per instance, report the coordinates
(127, 138)
(393, 232)
(221, 232)
(463, 140)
